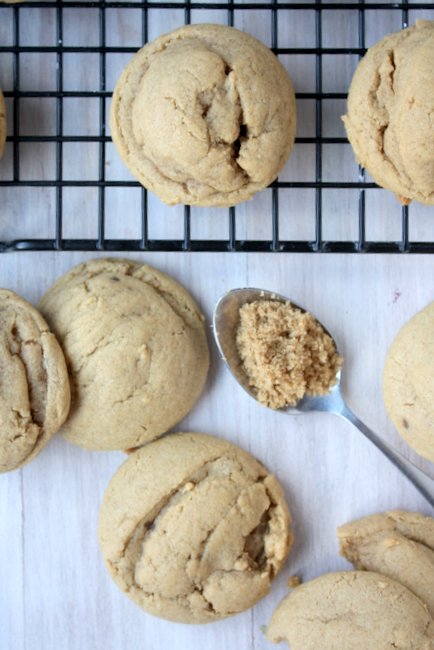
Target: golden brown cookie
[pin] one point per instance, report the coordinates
(136, 349)
(204, 115)
(397, 544)
(34, 385)
(193, 529)
(352, 610)
(3, 126)
(408, 382)
(390, 107)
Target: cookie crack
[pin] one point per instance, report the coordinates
(29, 427)
(187, 314)
(164, 503)
(392, 70)
(234, 504)
(254, 544)
(413, 537)
(206, 99)
(16, 347)
(389, 78)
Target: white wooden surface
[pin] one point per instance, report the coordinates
(54, 591)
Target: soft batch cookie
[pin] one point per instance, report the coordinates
(397, 544)
(390, 107)
(34, 385)
(193, 529)
(352, 610)
(408, 382)
(2, 123)
(136, 349)
(204, 115)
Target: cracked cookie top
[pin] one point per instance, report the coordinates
(408, 382)
(2, 123)
(390, 117)
(398, 544)
(204, 115)
(352, 610)
(34, 385)
(135, 345)
(193, 528)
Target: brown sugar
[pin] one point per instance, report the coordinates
(286, 353)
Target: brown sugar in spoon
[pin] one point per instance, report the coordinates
(225, 325)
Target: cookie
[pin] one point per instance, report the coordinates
(408, 382)
(2, 123)
(390, 107)
(34, 385)
(204, 115)
(193, 528)
(397, 544)
(352, 610)
(136, 349)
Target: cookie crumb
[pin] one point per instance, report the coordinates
(241, 565)
(286, 353)
(404, 200)
(293, 582)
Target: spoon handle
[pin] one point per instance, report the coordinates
(420, 480)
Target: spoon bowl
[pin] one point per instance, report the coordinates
(225, 324)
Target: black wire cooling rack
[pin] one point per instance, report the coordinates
(50, 190)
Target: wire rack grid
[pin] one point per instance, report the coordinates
(65, 188)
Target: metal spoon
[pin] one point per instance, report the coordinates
(225, 324)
